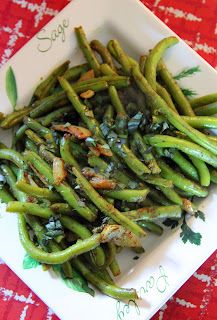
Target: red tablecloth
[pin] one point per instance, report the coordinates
(195, 21)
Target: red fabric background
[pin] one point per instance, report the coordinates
(195, 21)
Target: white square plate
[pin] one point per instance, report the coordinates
(167, 263)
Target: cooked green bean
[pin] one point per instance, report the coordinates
(142, 61)
(106, 70)
(39, 231)
(29, 208)
(201, 122)
(11, 181)
(55, 115)
(185, 146)
(59, 257)
(30, 145)
(174, 119)
(151, 226)
(14, 156)
(34, 137)
(115, 100)
(86, 49)
(128, 195)
(147, 156)
(157, 197)
(68, 194)
(65, 151)
(74, 72)
(41, 130)
(38, 192)
(206, 110)
(107, 208)
(184, 165)
(108, 289)
(203, 171)
(62, 208)
(151, 213)
(175, 91)
(83, 233)
(154, 57)
(15, 118)
(5, 196)
(46, 85)
(114, 267)
(103, 52)
(201, 101)
(166, 96)
(180, 181)
(122, 57)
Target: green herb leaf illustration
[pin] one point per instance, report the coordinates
(29, 262)
(77, 283)
(187, 72)
(11, 87)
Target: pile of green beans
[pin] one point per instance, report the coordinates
(96, 177)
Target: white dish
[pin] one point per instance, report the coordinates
(167, 263)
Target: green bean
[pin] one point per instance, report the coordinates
(62, 208)
(128, 195)
(29, 208)
(185, 146)
(185, 165)
(171, 116)
(50, 103)
(114, 267)
(14, 156)
(68, 194)
(112, 80)
(180, 181)
(66, 154)
(91, 123)
(129, 158)
(142, 61)
(154, 57)
(108, 115)
(30, 145)
(151, 213)
(103, 274)
(115, 100)
(108, 289)
(95, 85)
(42, 131)
(201, 122)
(55, 115)
(5, 196)
(86, 49)
(110, 251)
(107, 208)
(122, 57)
(38, 192)
(11, 181)
(157, 180)
(103, 52)
(39, 231)
(147, 156)
(83, 233)
(46, 155)
(46, 85)
(157, 197)
(80, 247)
(14, 118)
(151, 226)
(74, 72)
(175, 91)
(106, 70)
(201, 101)
(78, 151)
(171, 195)
(166, 96)
(203, 171)
(19, 134)
(213, 176)
(206, 110)
(34, 137)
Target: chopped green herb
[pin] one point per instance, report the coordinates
(134, 122)
(90, 142)
(199, 214)
(189, 92)
(188, 234)
(54, 229)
